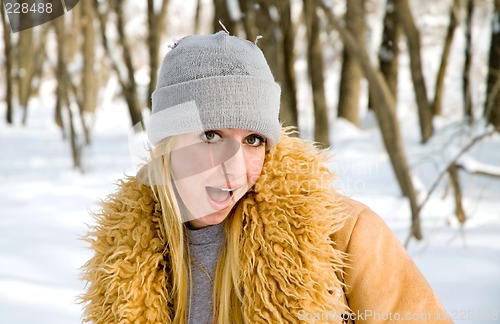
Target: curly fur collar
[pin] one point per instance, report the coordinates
(290, 262)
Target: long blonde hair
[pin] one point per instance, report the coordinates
(227, 293)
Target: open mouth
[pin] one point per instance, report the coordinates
(219, 195)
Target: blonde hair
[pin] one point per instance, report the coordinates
(227, 295)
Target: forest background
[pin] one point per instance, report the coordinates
(405, 94)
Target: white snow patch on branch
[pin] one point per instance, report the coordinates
(472, 166)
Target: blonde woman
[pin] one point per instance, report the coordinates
(235, 221)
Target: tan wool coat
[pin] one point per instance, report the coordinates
(309, 254)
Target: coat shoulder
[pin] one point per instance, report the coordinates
(380, 276)
(352, 211)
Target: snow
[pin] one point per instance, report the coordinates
(473, 166)
(45, 205)
(44, 209)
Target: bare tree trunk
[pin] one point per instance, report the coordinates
(289, 87)
(384, 110)
(89, 80)
(221, 13)
(30, 59)
(61, 85)
(197, 17)
(156, 26)
(61, 89)
(130, 89)
(468, 62)
(351, 75)
(72, 46)
(315, 68)
(457, 190)
(84, 95)
(127, 83)
(388, 55)
(277, 43)
(25, 68)
(76, 149)
(79, 99)
(63, 81)
(413, 40)
(39, 60)
(58, 118)
(436, 104)
(492, 106)
(8, 68)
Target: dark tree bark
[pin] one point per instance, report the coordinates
(8, 68)
(25, 69)
(277, 43)
(413, 40)
(315, 68)
(436, 104)
(351, 75)
(63, 85)
(30, 65)
(89, 80)
(74, 28)
(384, 110)
(130, 86)
(221, 13)
(127, 82)
(457, 191)
(61, 89)
(289, 84)
(156, 28)
(388, 55)
(466, 90)
(492, 106)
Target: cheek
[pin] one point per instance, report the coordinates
(254, 162)
(190, 161)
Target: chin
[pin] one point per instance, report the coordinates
(212, 219)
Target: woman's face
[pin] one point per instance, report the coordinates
(212, 170)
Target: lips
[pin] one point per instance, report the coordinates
(220, 197)
(219, 194)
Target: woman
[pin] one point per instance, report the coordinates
(235, 221)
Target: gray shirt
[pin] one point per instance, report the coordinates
(205, 246)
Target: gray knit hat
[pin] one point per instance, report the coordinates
(215, 81)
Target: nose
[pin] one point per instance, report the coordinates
(235, 167)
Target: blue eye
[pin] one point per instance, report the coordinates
(255, 140)
(210, 137)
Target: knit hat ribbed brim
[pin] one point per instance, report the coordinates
(215, 81)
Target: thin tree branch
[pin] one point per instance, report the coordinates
(464, 150)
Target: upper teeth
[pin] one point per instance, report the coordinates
(226, 189)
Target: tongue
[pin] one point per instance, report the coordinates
(217, 195)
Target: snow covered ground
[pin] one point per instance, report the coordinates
(44, 208)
